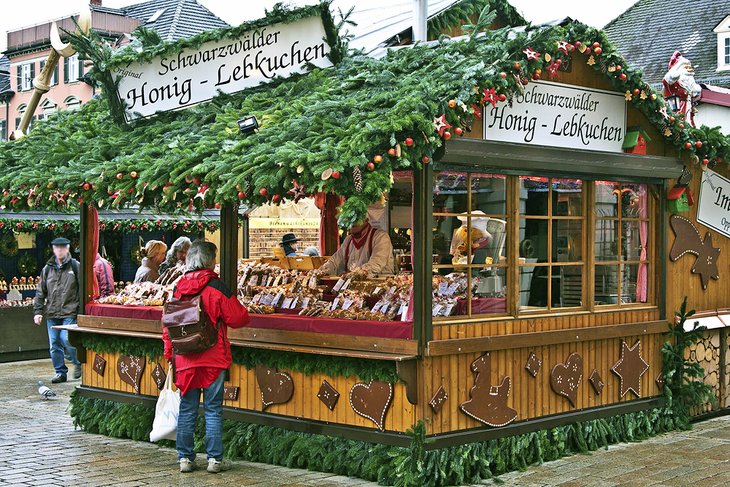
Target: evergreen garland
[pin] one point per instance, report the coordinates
(15, 225)
(364, 369)
(415, 466)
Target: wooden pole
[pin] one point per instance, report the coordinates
(228, 252)
(41, 85)
(422, 250)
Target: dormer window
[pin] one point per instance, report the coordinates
(723, 44)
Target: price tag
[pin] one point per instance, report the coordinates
(312, 282)
(256, 299)
(402, 309)
(346, 285)
(376, 306)
(305, 302)
(338, 285)
(384, 307)
(265, 299)
(449, 309)
(287, 303)
(254, 280)
(277, 281)
(443, 288)
(452, 289)
(391, 290)
(277, 299)
(294, 302)
(377, 291)
(334, 304)
(269, 281)
(347, 303)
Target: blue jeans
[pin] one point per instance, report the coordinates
(58, 339)
(188, 417)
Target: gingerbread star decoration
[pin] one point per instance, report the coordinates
(630, 368)
(689, 241)
(297, 191)
(440, 124)
(531, 55)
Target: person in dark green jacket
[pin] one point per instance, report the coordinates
(58, 299)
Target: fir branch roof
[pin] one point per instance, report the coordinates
(337, 118)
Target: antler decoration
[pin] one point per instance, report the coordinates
(41, 83)
(689, 241)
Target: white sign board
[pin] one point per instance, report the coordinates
(713, 208)
(229, 65)
(559, 115)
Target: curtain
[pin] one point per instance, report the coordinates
(641, 277)
(411, 299)
(329, 237)
(94, 250)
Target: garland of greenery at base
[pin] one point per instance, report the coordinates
(413, 466)
(306, 363)
(118, 226)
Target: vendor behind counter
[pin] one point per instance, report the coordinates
(366, 248)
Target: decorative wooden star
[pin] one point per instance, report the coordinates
(298, 192)
(689, 241)
(490, 96)
(531, 55)
(563, 46)
(630, 368)
(440, 124)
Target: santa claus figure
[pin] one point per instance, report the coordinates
(680, 85)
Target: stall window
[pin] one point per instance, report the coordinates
(551, 234)
(469, 244)
(622, 243)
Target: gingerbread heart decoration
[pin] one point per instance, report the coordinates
(276, 387)
(565, 378)
(372, 401)
(129, 368)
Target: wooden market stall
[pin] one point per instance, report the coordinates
(541, 262)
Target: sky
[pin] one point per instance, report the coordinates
(234, 12)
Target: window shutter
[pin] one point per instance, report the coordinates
(17, 123)
(65, 70)
(54, 79)
(81, 66)
(19, 77)
(32, 73)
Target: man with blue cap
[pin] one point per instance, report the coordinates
(58, 299)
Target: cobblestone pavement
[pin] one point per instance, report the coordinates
(39, 446)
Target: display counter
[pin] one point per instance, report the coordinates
(20, 339)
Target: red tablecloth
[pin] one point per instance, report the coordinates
(279, 321)
(481, 306)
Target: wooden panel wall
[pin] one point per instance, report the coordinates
(304, 402)
(532, 396)
(542, 323)
(680, 280)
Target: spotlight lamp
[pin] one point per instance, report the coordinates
(248, 125)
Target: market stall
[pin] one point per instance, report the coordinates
(534, 285)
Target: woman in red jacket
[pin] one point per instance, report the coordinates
(204, 372)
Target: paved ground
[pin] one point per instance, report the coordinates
(39, 446)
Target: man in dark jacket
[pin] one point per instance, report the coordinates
(58, 298)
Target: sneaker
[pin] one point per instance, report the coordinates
(215, 466)
(58, 378)
(186, 465)
(77, 372)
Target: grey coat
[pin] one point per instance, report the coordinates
(58, 293)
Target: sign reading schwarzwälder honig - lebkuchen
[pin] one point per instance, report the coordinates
(559, 115)
(230, 65)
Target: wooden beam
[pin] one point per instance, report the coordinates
(86, 226)
(228, 252)
(422, 250)
(543, 338)
(113, 323)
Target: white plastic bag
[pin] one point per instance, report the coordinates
(164, 427)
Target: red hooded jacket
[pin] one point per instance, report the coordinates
(221, 306)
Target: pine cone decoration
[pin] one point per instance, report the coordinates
(357, 179)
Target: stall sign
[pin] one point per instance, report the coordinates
(197, 74)
(713, 209)
(286, 223)
(559, 115)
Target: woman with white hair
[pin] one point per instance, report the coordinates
(204, 372)
(177, 254)
(154, 254)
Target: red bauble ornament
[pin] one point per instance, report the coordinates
(597, 50)
(336, 174)
(120, 175)
(133, 174)
(391, 152)
(517, 66)
(688, 145)
(681, 126)
(503, 75)
(618, 67)
(378, 158)
(671, 119)
(622, 76)
(425, 159)
(196, 180)
(452, 103)
(241, 195)
(698, 144)
(217, 206)
(264, 192)
(705, 162)
(458, 131)
(447, 135)
(502, 97)
(87, 186)
(409, 142)
(636, 91)
(276, 198)
(370, 166)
